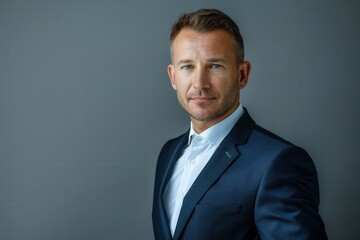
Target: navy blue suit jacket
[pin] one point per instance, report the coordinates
(255, 186)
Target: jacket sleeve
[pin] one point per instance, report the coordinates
(287, 201)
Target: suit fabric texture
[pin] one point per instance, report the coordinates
(255, 186)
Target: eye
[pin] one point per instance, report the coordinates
(186, 67)
(216, 66)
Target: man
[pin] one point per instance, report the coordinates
(227, 178)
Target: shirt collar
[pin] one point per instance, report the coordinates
(215, 134)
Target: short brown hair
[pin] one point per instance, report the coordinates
(206, 20)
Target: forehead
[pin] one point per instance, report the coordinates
(190, 43)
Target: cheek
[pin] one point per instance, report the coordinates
(182, 88)
(181, 93)
(227, 89)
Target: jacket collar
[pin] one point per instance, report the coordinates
(240, 133)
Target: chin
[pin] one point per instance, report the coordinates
(202, 116)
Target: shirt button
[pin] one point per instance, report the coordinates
(193, 161)
(181, 195)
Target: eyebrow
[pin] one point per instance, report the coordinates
(211, 60)
(217, 60)
(184, 61)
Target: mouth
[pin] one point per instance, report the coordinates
(201, 99)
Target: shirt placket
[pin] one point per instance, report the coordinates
(197, 147)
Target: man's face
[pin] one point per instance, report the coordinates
(207, 75)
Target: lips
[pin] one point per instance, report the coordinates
(201, 99)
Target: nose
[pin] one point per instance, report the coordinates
(200, 79)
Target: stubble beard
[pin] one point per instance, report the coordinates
(206, 112)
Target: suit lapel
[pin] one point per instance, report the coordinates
(170, 163)
(175, 154)
(226, 153)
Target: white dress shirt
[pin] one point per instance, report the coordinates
(195, 156)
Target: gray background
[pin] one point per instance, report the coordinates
(86, 104)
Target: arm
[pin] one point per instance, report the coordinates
(287, 202)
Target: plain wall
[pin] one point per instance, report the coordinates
(86, 104)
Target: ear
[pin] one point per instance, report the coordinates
(244, 73)
(171, 72)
